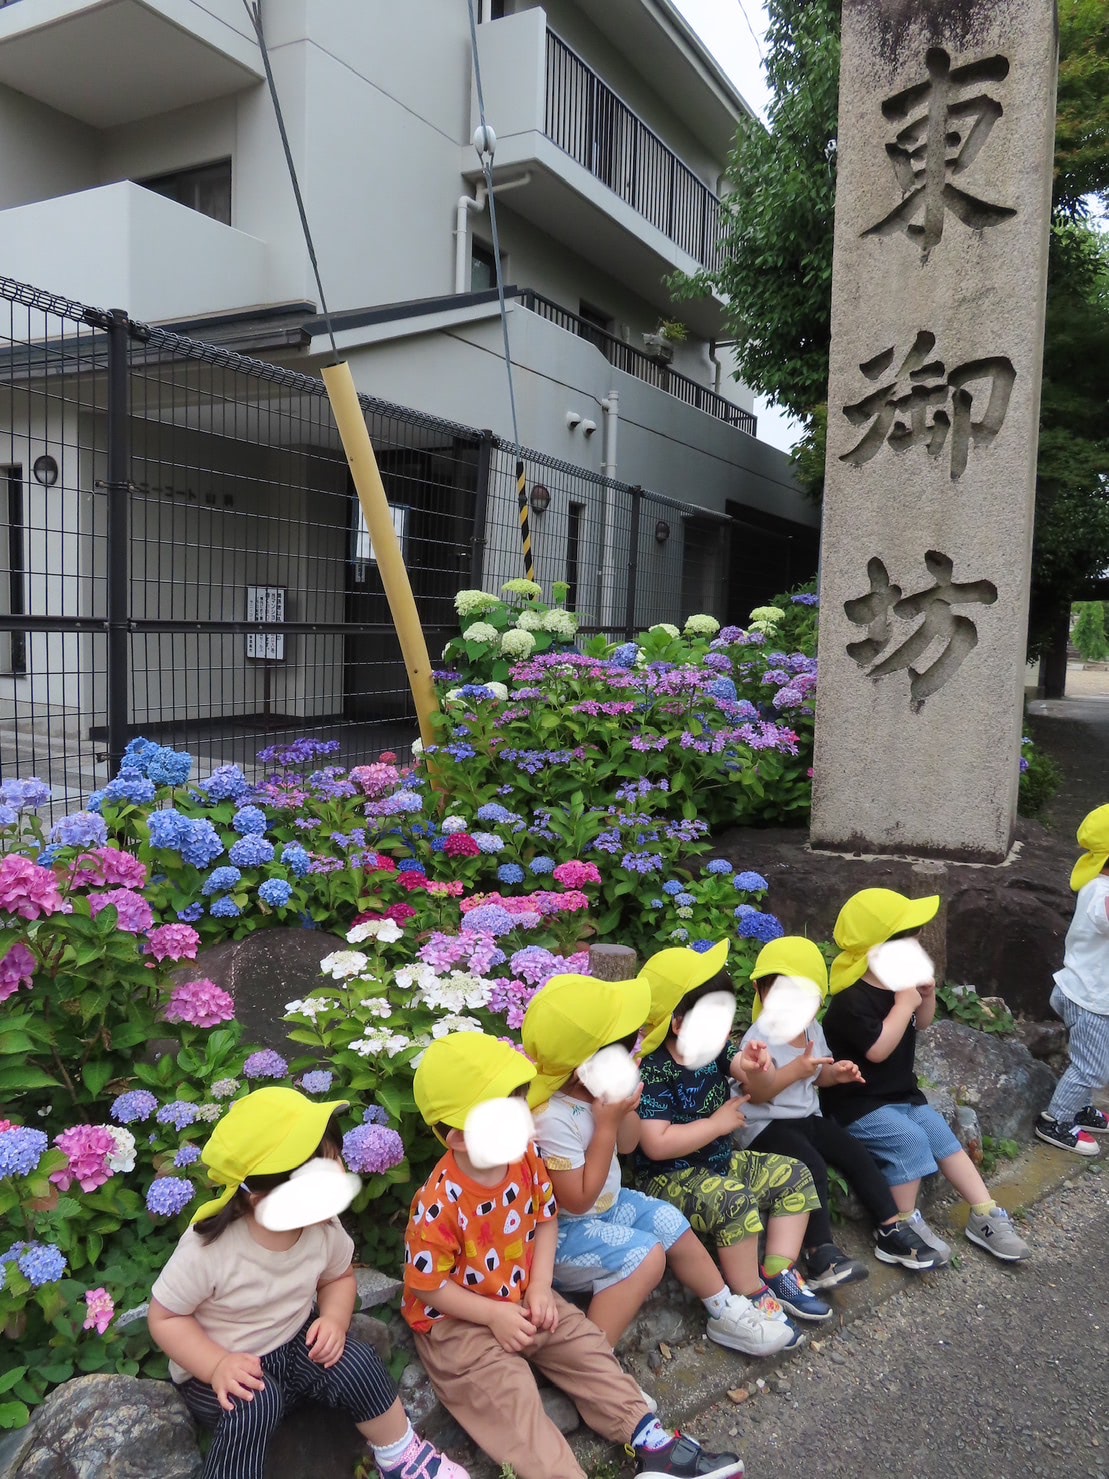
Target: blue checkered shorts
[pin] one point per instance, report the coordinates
(907, 1140)
(596, 1252)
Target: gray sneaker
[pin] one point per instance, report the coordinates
(997, 1235)
(933, 1239)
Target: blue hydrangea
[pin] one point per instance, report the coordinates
(41, 1263)
(750, 882)
(169, 1195)
(510, 873)
(743, 910)
(410, 865)
(760, 927)
(489, 919)
(275, 892)
(8, 816)
(26, 795)
(805, 600)
(226, 783)
(225, 908)
(317, 1081)
(249, 821)
(81, 829)
(672, 887)
(489, 842)
(168, 828)
(685, 901)
(656, 904)
(138, 753)
(542, 865)
(167, 767)
(251, 852)
(188, 1155)
(718, 865)
(625, 655)
(702, 947)
(21, 1150)
(495, 815)
(129, 788)
(133, 1107)
(296, 859)
(202, 845)
(374, 1115)
(477, 691)
(220, 881)
(180, 1114)
(191, 913)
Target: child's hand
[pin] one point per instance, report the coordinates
(326, 1340)
(730, 1117)
(238, 1374)
(808, 1063)
(755, 1058)
(911, 998)
(511, 1328)
(541, 1308)
(612, 1114)
(843, 1072)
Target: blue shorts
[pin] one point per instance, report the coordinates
(907, 1140)
(596, 1252)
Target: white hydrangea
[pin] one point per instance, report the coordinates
(454, 824)
(529, 589)
(123, 1157)
(380, 1040)
(475, 603)
(530, 621)
(517, 645)
(377, 1006)
(665, 626)
(498, 690)
(702, 626)
(341, 964)
(384, 931)
(311, 1007)
(209, 1113)
(561, 624)
(418, 975)
(476, 990)
(481, 631)
(451, 1023)
(768, 615)
(417, 748)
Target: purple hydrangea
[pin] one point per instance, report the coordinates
(275, 892)
(26, 795)
(133, 1107)
(226, 783)
(250, 821)
(317, 1081)
(21, 1149)
(8, 818)
(188, 1155)
(169, 1195)
(251, 852)
(81, 829)
(373, 1114)
(372, 1149)
(180, 1114)
(805, 600)
(750, 882)
(490, 919)
(265, 1064)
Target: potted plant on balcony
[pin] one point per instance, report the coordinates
(660, 343)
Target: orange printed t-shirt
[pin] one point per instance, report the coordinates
(479, 1237)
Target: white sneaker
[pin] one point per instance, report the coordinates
(744, 1328)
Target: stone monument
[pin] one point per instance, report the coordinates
(946, 127)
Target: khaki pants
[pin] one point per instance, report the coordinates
(493, 1395)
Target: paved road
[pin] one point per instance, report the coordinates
(987, 1371)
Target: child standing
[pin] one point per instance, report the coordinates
(1081, 999)
(783, 1116)
(254, 1321)
(614, 1243)
(479, 1260)
(687, 1155)
(888, 1113)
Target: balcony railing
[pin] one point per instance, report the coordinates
(634, 362)
(587, 120)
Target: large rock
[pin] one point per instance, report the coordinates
(108, 1427)
(997, 1076)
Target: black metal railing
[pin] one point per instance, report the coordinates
(640, 364)
(587, 120)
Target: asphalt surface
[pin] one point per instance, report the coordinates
(983, 1369)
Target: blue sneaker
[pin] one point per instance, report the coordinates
(794, 1295)
(769, 1306)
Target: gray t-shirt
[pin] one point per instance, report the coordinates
(797, 1101)
(563, 1132)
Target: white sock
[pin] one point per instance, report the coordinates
(390, 1455)
(716, 1304)
(650, 1436)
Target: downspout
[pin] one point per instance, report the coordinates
(475, 204)
(610, 405)
(714, 360)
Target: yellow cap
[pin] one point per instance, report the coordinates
(870, 918)
(792, 955)
(271, 1130)
(1093, 835)
(671, 975)
(572, 1018)
(463, 1070)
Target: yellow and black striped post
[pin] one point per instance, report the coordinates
(525, 530)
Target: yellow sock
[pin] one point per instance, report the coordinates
(775, 1264)
(983, 1209)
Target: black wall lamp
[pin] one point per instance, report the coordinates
(540, 498)
(45, 470)
(662, 531)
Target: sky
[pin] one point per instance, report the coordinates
(733, 31)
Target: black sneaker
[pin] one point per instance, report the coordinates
(1065, 1137)
(898, 1243)
(826, 1266)
(686, 1458)
(1092, 1120)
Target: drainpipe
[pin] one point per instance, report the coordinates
(610, 405)
(714, 360)
(475, 204)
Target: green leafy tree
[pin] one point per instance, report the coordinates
(1089, 631)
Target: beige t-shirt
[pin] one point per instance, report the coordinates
(246, 1297)
(564, 1132)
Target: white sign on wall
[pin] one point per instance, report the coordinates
(265, 604)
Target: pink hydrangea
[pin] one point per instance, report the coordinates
(135, 914)
(375, 780)
(199, 1004)
(568, 903)
(576, 874)
(16, 970)
(101, 1310)
(29, 890)
(452, 890)
(87, 1148)
(121, 869)
(173, 942)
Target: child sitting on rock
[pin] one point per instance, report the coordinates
(687, 1155)
(255, 1319)
(875, 1025)
(783, 1116)
(479, 1261)
(1081, 999)
(615, 1243)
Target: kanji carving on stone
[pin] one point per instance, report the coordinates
(933, 608)
(925, 405)
(943, 134)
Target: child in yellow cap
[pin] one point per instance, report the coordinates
(687, 1155)
(255, 1320)
(479, 1261)
(614, 1243)
(783, 1117)
(876, 1026)
(1081, 998)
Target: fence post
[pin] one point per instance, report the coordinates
(633, 563)
(119, 534)
(486, 447)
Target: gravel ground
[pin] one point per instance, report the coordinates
(993, 1370)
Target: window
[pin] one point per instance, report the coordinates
(483, 268)
(205, 188)
(15, 586)
(362, 549)
(593, 319)
(574, 519)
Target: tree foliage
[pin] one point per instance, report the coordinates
(1089, 631)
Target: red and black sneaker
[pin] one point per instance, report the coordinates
(1065, 1137)
(1092, 1120)
(685, 1458)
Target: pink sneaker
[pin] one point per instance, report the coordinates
(422, 1460)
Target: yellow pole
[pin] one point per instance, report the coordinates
(379, 521)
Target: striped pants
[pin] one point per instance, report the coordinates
(1088, 1071)
(357, 1384)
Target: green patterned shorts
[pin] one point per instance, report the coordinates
(728, 1208)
